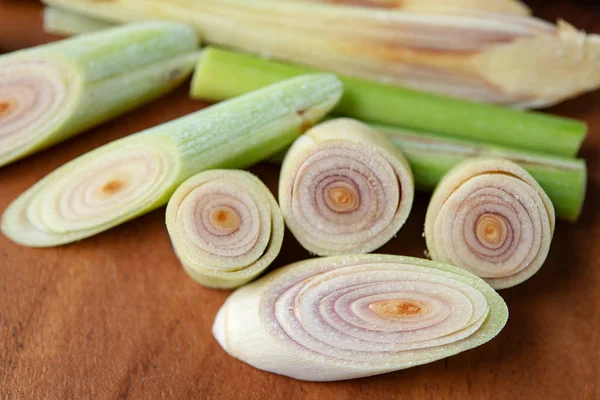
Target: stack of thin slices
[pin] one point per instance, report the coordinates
(415, 87)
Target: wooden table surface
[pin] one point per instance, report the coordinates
(115, 316)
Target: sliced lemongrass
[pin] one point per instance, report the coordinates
(477, 55)
(492, 218)
(133, 175)
(63, 22)
(344, 189)
(222, 74)
(225, 226)
(353, 316)
(54, 91)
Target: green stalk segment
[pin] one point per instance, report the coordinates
(222, 74)
(136, 174)
(54, 91)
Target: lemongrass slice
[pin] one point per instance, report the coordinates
(492, 218)
(472, 54)
(344, 188)
(225, 226)
(353, 316)
(63, 22)
(133, 175)
(51, 92)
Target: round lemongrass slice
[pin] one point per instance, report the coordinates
(225, 226)
(492, 218)
(344, 188)
(353, 316)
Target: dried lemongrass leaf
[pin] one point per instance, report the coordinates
(131, 176)
(344, 189)
(454, 54)
(492, 218)
(51, 92)
(225, 226)
(352, 316)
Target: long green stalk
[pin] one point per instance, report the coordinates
(222, 74)
(54, 91)
(133, 175)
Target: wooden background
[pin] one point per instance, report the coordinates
(115, 316)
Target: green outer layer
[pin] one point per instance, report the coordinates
(432, 156)
(233, 134)
(112, 72)
(222, 74)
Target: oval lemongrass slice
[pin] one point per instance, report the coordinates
(138, 173)
(344, 188)
(492, 218)
(225, 226)
(51, 92)
(353, 316)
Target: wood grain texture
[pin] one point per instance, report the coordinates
(115, 316)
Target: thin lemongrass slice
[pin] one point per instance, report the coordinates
(221, 74)
(344, 189)
(133, 175)
(492, 218)
(487, 57)
(225, 226)
(63, 22)
(51, 92)
(513, 7)
(353, 316)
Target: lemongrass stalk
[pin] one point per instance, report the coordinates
(431, 157)
(52, 92)
(344, 189)
(492, 218)
(488, 57)
(63, 22)
(221, 74)
(513, 7)
(353, 316)
(225, 226)
(133, 175)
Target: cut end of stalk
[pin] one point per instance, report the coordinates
(36, 96)
(546, 69)
(344, 189)
(353, 316)
(225, 226)
(492, 218)
(91, 194)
